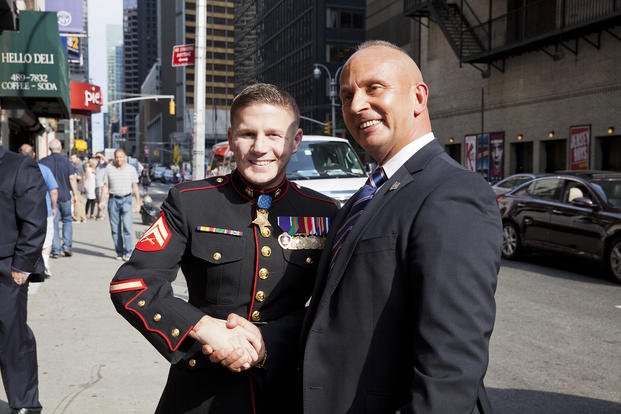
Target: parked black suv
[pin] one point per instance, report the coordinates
(573, 212)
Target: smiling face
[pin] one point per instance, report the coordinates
(263, 137)
(384, 101)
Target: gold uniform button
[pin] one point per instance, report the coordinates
(249, 192)
(266, 251)
(219, 179)
(260, 296)
(309, 260)
(216, 256)
(256, 316)
(157, 317)
(175, 332)
(192, 362)
(266, 232)
(264, 273)
(141, 303)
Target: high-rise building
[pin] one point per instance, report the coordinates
(220, 67)
(114, 40)
(139, 54)
(291, 37)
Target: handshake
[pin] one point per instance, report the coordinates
(236, 343)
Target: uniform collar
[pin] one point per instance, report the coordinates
(251, 193)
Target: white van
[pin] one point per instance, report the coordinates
(328, 165)
(325, 164)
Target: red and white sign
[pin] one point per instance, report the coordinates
(183, 55)
(156, 237)
(85, 97)
(579, 145)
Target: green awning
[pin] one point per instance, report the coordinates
(33, 65)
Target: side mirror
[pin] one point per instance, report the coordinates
(584, 202)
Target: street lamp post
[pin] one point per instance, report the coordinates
(333, 80)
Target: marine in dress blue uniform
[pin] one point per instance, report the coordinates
(242, 250)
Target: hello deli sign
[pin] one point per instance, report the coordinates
(86, 98)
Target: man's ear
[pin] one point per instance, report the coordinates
(421, 94)
(297, 140)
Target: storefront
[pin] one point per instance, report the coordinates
(86, 99)
(34, 81)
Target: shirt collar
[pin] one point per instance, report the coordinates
(392, 165)
(250, 193)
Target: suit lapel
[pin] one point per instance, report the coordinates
(402, 178)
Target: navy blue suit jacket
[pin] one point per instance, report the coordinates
(23, 214)
(403, 319)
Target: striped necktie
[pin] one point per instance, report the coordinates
(359, 201)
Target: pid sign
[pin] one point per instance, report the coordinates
(85, 98)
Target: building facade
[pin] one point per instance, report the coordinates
(219, 74)
(516, 86)
(139, 55)
(291, 37)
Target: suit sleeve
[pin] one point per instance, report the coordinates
(141, 289)
(31, 212)
(454, 249)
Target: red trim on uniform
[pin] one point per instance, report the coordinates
(295, 187)
(227, 178)
(241, 194)
(144, 321)
(141, 286)
(254, 408)
(256, 271)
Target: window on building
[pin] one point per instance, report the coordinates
(344, 19)
(339, 52)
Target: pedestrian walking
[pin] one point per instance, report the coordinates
(65, 176)
(51, 199)
(90, 186)
(248, 243)
(23, 219)
(120, 182)
(100, 173)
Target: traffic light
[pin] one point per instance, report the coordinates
(171, 107)
(327, 128)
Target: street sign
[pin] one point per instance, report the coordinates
(183, 55)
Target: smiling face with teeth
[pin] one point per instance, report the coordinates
(384, 100)
(263, 137)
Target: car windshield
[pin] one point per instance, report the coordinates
(609, 190)
(324, 159)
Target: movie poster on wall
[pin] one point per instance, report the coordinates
(483, 155)
(579, 147)
(497, 156)
(470, 142)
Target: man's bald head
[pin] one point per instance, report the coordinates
(394, 52)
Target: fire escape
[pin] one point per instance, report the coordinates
(551, 26)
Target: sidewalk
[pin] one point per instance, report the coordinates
(90, 359)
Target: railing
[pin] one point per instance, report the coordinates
(537, 19)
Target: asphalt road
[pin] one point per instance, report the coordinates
(555, 347)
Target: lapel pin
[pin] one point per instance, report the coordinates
(394, 186)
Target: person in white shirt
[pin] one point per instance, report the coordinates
(120, 181)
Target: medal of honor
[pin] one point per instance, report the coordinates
(262, 219)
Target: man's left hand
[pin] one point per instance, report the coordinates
(19, 277)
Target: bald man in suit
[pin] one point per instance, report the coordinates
(403, 307)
